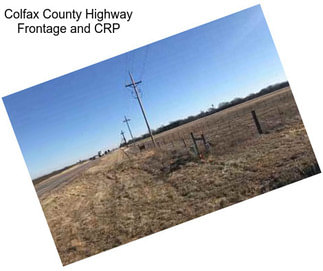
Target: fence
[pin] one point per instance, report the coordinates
(234, 125)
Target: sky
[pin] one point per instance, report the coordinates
(71, 118)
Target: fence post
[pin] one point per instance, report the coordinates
(253, 112)
(280, 115)
(184, 142)
(195, 145)
(204, 142)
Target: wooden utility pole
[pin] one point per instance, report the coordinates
(134, 85)
(127, 122)
(124, 138)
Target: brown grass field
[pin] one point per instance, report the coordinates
(130, 194)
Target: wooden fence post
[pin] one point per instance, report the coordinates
(184, 142)
(195, 145)
(204, 142)
(253, 112)
(280, 115)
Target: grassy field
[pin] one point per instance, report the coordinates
(129, 194)
(234, 124)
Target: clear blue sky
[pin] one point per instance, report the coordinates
(72, 117)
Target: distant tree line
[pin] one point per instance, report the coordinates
(212, 110)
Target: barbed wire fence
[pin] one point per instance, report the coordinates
(229, 127)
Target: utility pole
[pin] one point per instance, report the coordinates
(134, 85)
(127, 122)
(124, 138)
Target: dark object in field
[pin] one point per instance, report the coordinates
(141, 147)
(253, 112)
(196, 149)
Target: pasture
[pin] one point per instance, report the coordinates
(233, 125)
(129, 193)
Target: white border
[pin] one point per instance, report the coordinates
(281, 230)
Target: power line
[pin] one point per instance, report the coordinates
(127, 122)
(124, 138)
(144, 61)
(134, 85)
(133, 59)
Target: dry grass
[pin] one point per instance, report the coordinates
(234, 125)
(123, 199)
